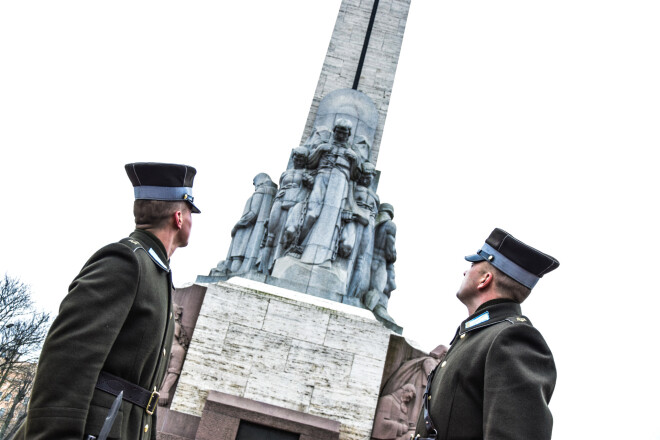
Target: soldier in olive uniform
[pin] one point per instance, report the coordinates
(499, 374)
(114, 328)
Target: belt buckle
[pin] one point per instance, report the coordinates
(155, 394)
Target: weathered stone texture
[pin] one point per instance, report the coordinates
(341, 62)
(286, 349)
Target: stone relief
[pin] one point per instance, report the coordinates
(336, 165)
(393, 414)
(382, 281)
(411, 375)
(178, 354)
(361, 228)
(323, 231)
(284, 223)
(247, 233)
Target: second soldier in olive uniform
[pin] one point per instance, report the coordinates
(114, 328)
(497, 378)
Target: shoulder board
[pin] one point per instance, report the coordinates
(136, 245)
(482, 321)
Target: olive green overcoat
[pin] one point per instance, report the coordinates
(117, 318)
(495, 382)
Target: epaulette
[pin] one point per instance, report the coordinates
(136, 245)
(484, 320)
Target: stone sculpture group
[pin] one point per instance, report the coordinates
(325, 213)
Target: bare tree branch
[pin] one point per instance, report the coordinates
(22, 332)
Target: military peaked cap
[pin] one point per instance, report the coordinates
(521, 262)
(162, 181)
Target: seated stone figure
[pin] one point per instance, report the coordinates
(415, 372)
(392, 421)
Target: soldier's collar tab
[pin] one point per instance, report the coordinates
(154, 256)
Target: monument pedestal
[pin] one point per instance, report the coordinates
(288, 350)
(323, 280)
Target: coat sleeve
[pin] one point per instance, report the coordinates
(78, 343)
(519, 380)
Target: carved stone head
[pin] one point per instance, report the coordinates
(386, 207)
(260, 179)
(299, 155)
(367, 175)
(407, 393)
(342, 130)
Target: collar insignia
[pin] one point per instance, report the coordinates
(156, 258)
(478, 320)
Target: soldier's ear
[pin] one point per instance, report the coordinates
(485, 280)
(178, 219)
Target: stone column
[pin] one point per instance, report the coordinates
(377, 70)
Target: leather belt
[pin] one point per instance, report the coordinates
(133, 393)
(430, 427)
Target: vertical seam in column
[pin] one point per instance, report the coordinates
(365, 45)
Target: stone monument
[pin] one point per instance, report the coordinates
(292, 338)
(324, 230)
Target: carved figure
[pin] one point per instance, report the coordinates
(382, 281)
(248, 232)
(286, 213)
(179, 348)
(336, 165)
(415, 372)
(393, 414)
(362, 145)
(320, 136)
(362, 228)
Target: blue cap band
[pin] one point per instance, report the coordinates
(162, 192)
(507, 266)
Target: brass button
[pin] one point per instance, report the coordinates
(164, 352)
(146, 428)
(429, 398)
(443, 364)
(463, 335)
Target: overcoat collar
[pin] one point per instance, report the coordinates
(489, 315)
(153, 246)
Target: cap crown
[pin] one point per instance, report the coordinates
(162, 181)
(525, 256)
(160, 174)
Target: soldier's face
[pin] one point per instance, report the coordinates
(468, 289)
(186, 226)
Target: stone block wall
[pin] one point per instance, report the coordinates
(291, 350)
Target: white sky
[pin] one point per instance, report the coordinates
(537, 117)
